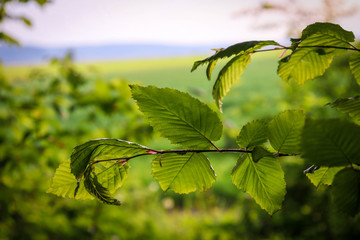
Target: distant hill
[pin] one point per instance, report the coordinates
(12, 55)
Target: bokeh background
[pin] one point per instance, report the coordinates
(67, 83)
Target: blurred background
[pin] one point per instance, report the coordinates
(66, 66)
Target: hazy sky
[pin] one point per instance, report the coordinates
(79, 22)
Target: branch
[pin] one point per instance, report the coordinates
(336, 47)
(353, 48)
(123, 160)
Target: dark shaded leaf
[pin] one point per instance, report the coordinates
(259, 153)
(331, 142)
(346, 191)
(253, 134)
(354, 63)
(236, 49)
(101, 149)
(348, 105)
(285, 131)
(96, 189)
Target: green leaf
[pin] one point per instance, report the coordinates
(285, 131)
(354, 63)
(333, 30)
(97, 190)
(346, 191)
(253, 134)
(8, 39)
(309, 61)
(42, 2)
(263, 180)
(236, 49)
(101, 149)
(230, 73)
(210, 68)
(183, 173)
(26, 21)
(233, 69)
(331, 142)
(294, 43)
(105, 179)
(348, 105)
(64, 183)
(111, 175)
(179, 117)
(323, 175)
(303, 65)
(259, 153)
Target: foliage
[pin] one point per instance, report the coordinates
(41, 117)
(233, 69)
(196, 124)
(184, 120)
(263, 180)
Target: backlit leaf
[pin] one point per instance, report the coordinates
(210, 68)
(285, 131)
(330, 29)
(228, 75)
(331, 142)
(178, 116)
(308, 61)
(64, 183)
(323, 175)
(263, 180)
(183, 173)
(111, 175)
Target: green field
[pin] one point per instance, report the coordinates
(260, 88)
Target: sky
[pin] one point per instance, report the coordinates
(65, 23)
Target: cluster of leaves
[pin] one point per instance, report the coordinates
(98, 168)
(310, 56)
(330, 143)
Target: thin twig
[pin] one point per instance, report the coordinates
(184, 151)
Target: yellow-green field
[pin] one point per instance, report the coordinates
(260, 86)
